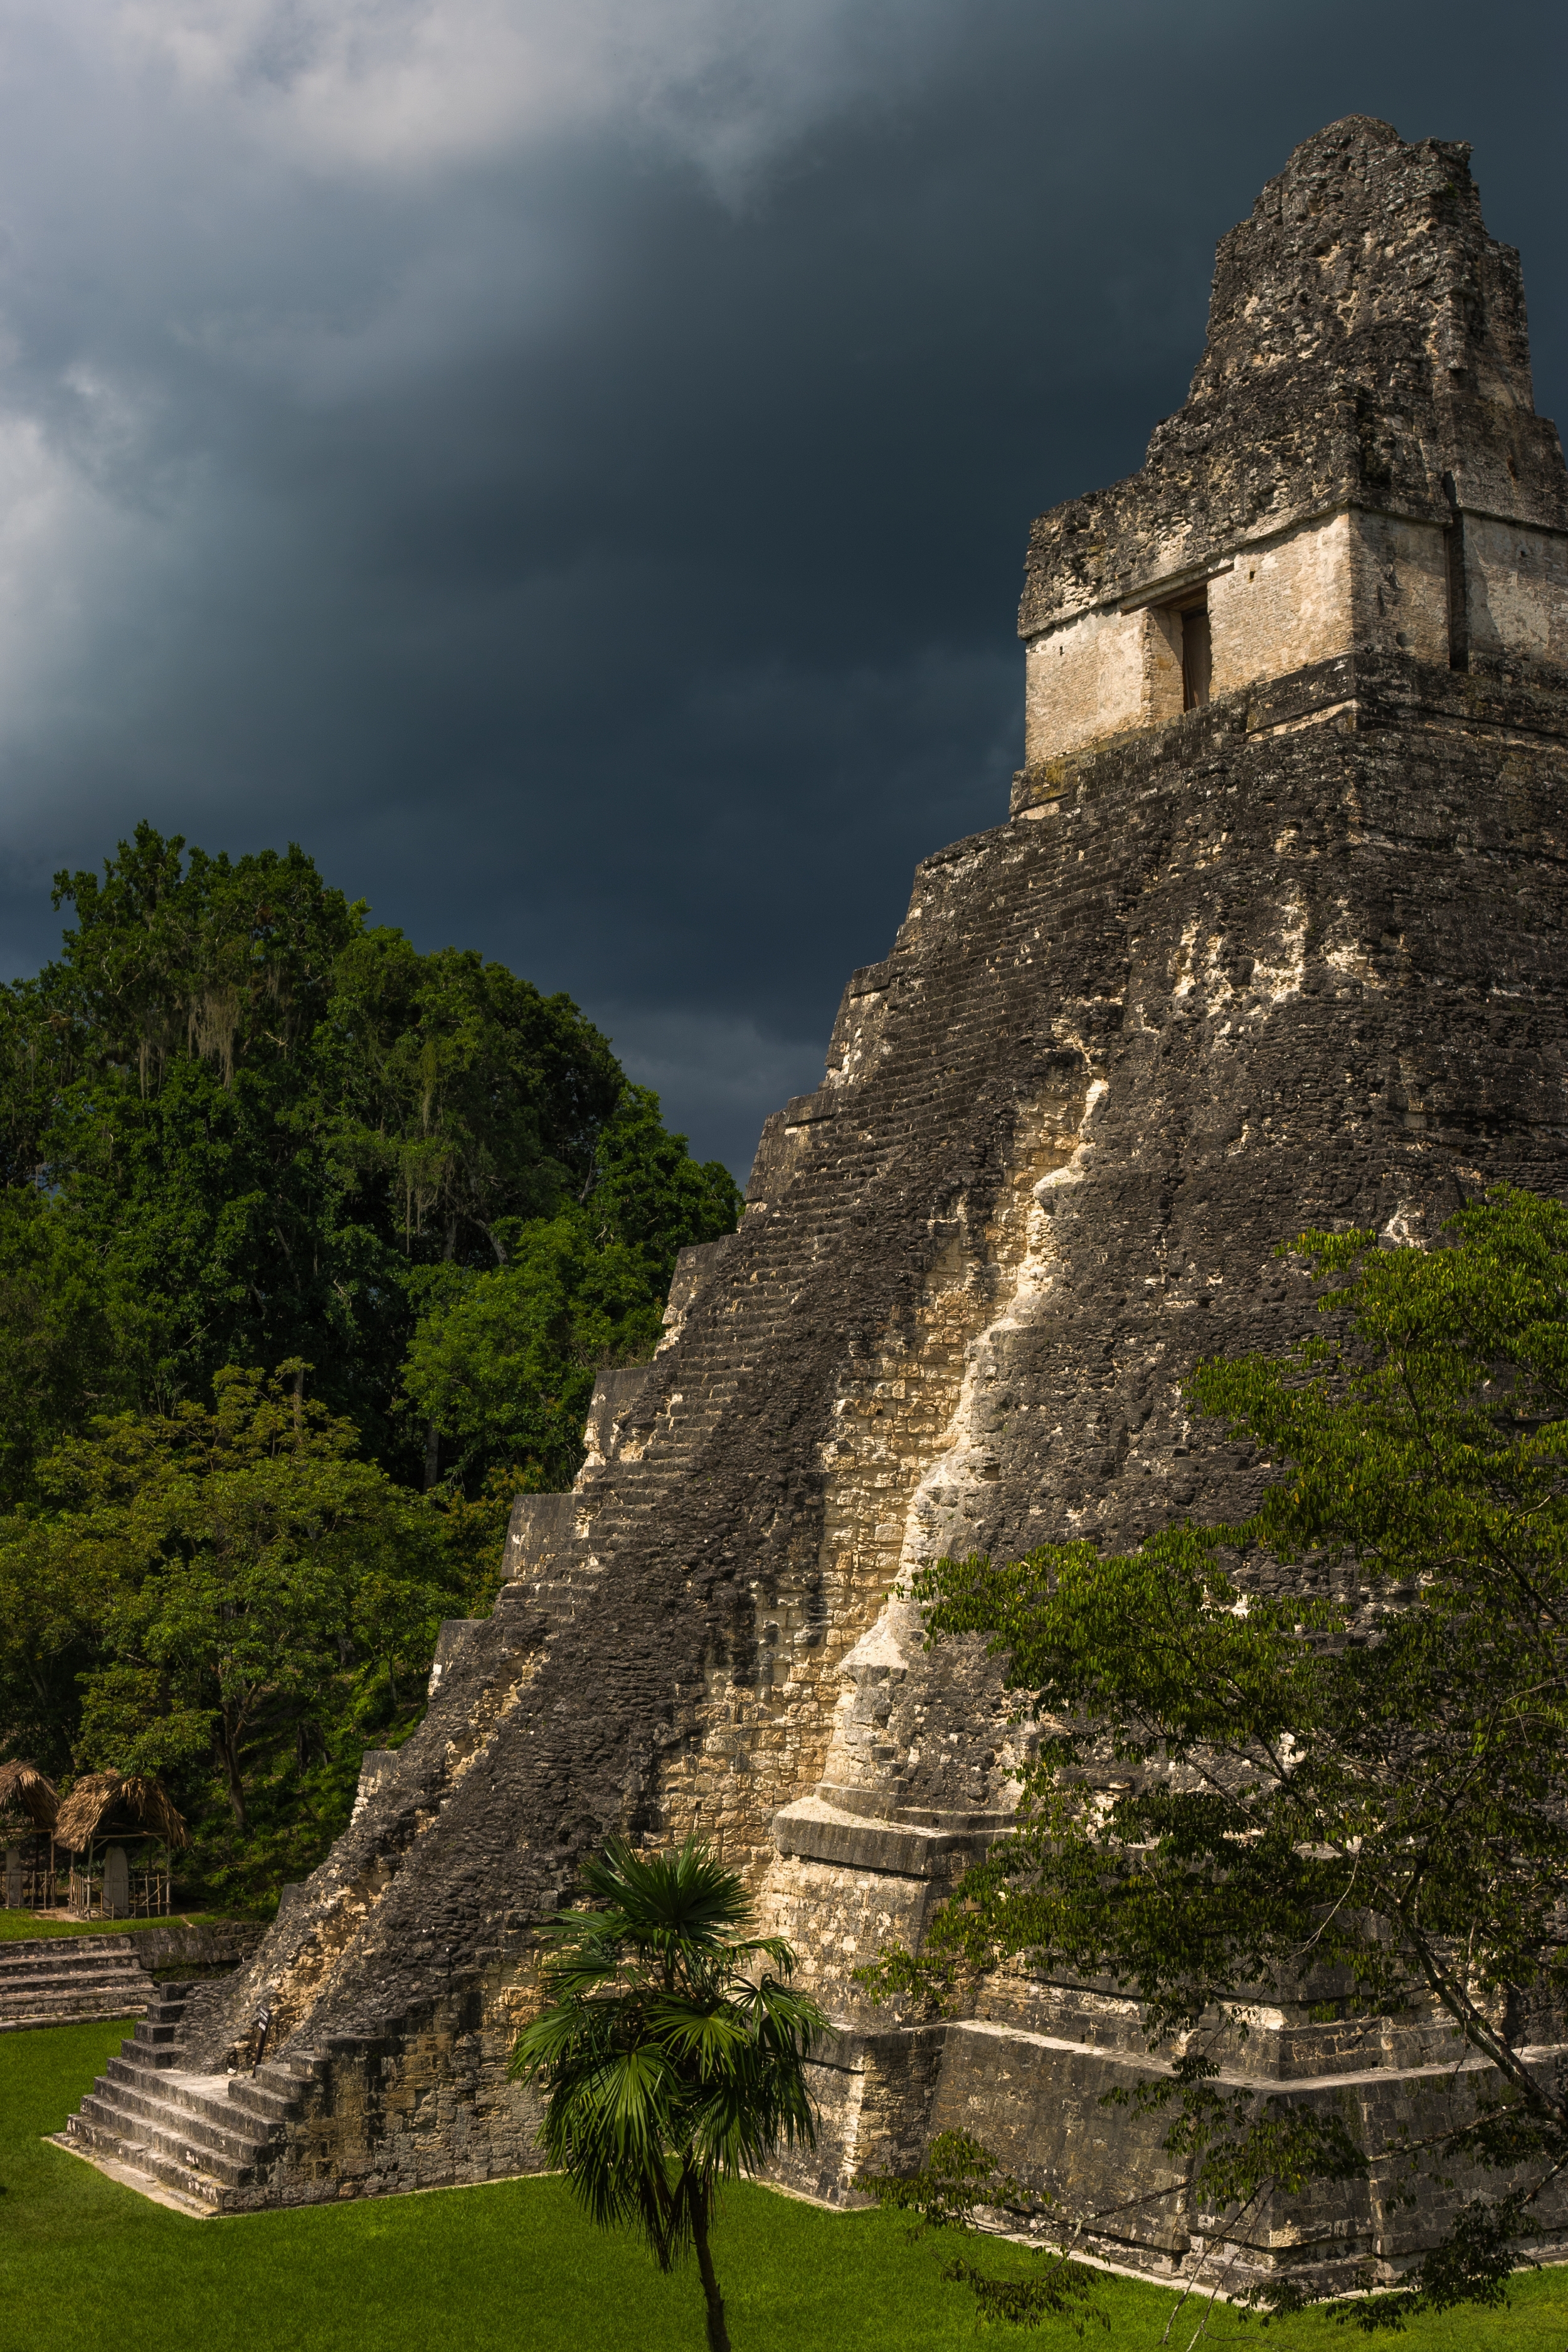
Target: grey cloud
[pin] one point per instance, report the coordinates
(587, 509)
(728, 1071)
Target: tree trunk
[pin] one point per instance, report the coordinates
(718, 2334)
(432, 1454)
(235, 1786)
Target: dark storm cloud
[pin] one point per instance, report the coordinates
(571, 468)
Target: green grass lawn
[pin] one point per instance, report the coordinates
(21, 1926)
(515, 2268)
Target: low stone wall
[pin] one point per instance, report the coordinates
(225, 1944)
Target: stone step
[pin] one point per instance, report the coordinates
(155, 2040)
(56, 1995)
(155, 2031)
(57, 1980)
(115, 1964)
(211, 2135)
(205, 2097)
(135, 2125)
(196, 2141)
(301, 2066)
(138, 2166)
(27, 1948)
(60, 1992)
(79, 2010)
(164, 2138)
(163, 2011)
(23, 1980)
(270, 2095)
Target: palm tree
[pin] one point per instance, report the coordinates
(670, 2064)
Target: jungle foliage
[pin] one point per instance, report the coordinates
(1324, 1750)
(310, 1247)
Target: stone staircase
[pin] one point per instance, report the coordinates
(66, 1979)
(203, 2143)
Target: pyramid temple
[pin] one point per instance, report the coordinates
(1272, 936)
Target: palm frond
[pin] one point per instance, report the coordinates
(585, 1928)
(579, 1973)
(781, 1954)
(666, 2065)
(687, 1892)
(705, 2032)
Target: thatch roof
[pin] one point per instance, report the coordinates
(24, 1793)
(102, 1803)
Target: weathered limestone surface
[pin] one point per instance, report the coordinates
(1297, 957)
(1359, 462)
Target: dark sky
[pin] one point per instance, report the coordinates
(569, 466)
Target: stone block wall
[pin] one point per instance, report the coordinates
(1281, 603)
(1515, 593)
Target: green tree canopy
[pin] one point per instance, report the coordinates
(1331, 1739)
(501, 1366)
(265, 1130)
(75, 1337)
(458, 1094)
(236, 1594)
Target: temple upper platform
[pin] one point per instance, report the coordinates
(1359, 463)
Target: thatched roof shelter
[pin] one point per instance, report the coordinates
(110, 1805)
(26, 1795)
